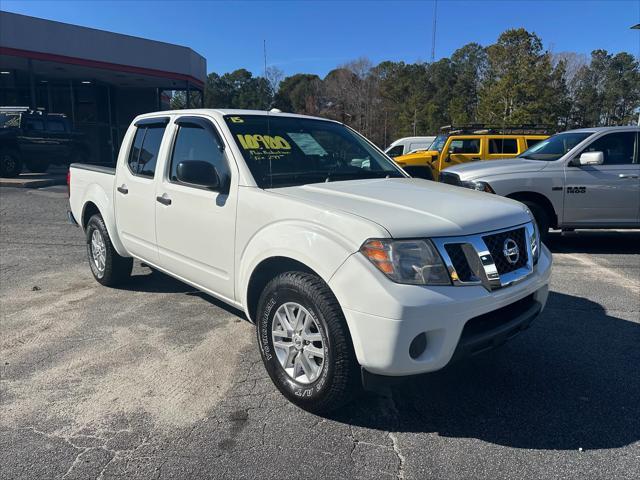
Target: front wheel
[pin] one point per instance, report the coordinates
(305, 343)
(108, 268)
(10, 164)
(542, 219)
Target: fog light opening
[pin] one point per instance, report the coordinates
(418, 345)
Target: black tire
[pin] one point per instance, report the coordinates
(338, 380)
(542, 218)
(10, 164)
(37, 166)
(116, 269)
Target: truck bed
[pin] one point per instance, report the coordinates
(94, 167)
(91, 183)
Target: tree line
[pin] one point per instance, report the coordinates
(513, 81)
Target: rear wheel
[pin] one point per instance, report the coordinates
(305, 343)
(10, 164)
(542, 218)
(108, 268)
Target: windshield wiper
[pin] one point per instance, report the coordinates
(362, 175)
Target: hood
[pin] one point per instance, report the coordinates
(472, 171)
(420, 155)
(411, 207)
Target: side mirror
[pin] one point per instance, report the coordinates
(591, 158)
(198, 173)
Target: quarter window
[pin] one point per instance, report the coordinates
(467, 145)
(617, 148)
(195, 143)
(143, 156)
(503, 145)
(532, 141)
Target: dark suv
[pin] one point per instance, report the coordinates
(36, 140)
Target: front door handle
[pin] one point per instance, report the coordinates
(624, 175)
(123, 189)
(164, 199)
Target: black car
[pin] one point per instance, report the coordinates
(36, 140)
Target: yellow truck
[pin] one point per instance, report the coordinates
(470, 143)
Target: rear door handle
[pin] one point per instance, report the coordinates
(164, 199)
(624, 175)
(474, 159)
(123, 189)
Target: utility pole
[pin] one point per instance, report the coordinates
(433, 30)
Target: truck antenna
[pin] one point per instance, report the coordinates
(266, 81)
(433, 32)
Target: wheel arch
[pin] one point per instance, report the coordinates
(541, 200)
(96, 202)
(264, 272)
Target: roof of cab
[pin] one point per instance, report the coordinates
(602, 129)
(225, 111)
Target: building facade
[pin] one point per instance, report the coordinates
(100, 80)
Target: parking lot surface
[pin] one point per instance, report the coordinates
(157, 380)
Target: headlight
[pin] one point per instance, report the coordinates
(477, 185)
(535, 239)
(415, 262)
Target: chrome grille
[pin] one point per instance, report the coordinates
(495, 244)
(481, 259)
(459, 261)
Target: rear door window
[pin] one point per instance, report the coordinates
(143, 155)
(503, 146)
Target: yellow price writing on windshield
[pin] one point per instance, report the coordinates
(254, 142)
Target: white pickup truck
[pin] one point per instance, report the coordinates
(350, 269)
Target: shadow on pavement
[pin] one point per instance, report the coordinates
(571, 381)
(595, 241)
(154, 281)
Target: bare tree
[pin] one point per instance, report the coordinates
(274, 76)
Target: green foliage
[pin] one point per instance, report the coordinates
(607, 90)
(238, 89)
(512, 81)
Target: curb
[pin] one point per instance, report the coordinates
(31, 183)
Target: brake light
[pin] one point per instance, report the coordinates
(69, 183)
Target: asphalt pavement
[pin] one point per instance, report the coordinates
(156, 380)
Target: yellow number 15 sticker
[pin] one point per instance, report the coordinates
(236, 119)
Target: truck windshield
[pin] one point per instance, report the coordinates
(555, 147)
(438, 143)
(285, 151)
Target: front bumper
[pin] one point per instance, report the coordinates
(385, 317)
